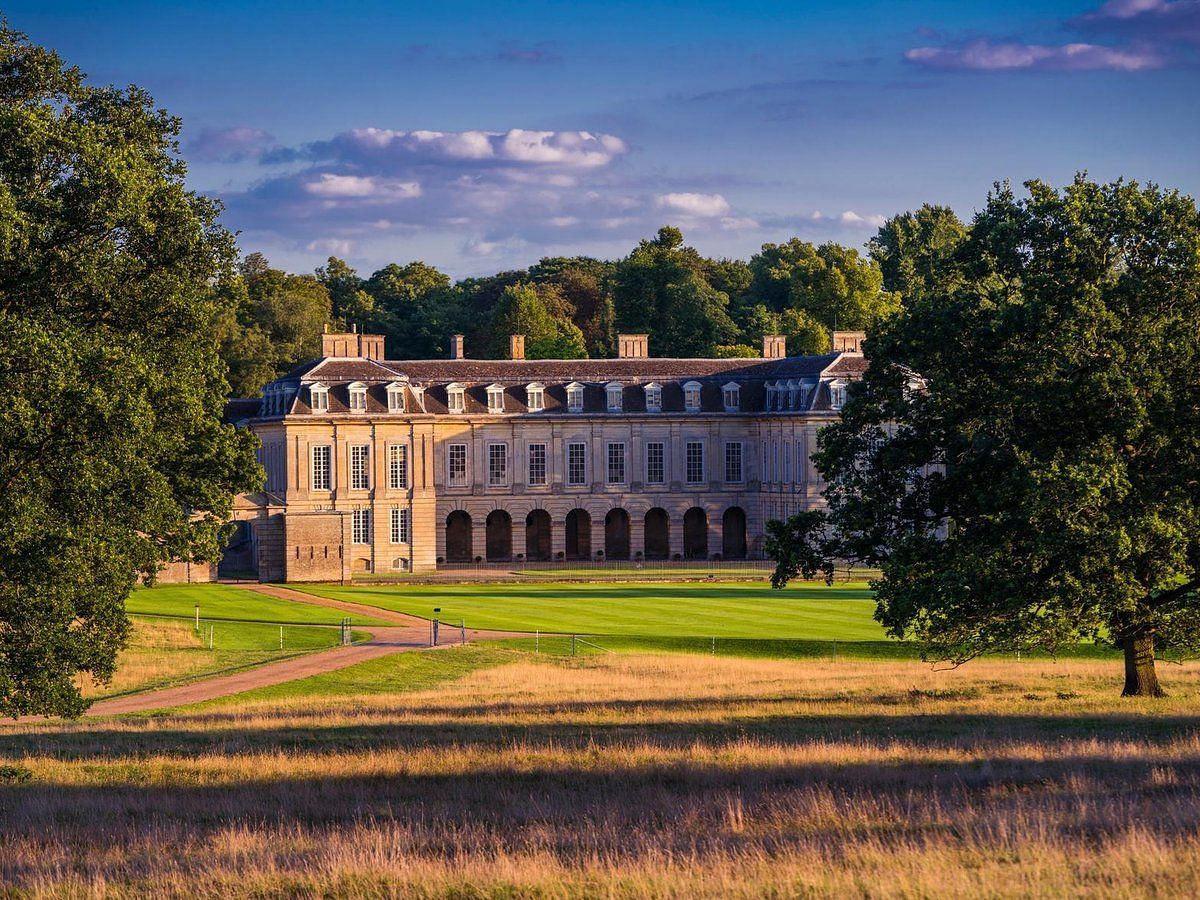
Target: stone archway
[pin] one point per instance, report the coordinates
(499, 536)
(733, 531)
(616, 534)
(458, 536)
(695, 534)
(658, 534)
(579, 535)
(537, 536)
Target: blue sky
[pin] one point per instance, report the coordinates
(480, 136)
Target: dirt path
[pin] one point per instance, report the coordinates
(409, 633)
(383, 642)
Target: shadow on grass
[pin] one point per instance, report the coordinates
(660, 723)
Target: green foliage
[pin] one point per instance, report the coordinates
(113, 457)
(1037, 484)
(735, 351)
(914, 250)
(661, 289)
(522, 310)
(834, 285)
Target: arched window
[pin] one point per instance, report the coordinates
(318, 398)
(395, 395)
(456, 397)
(691, 396)
(575, 397)
(653, 397)
(358, 397)
(731, 393)
(616, 396)
(535, 396)
(495, 395)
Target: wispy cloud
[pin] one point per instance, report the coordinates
(985, 55)
(1138, 35)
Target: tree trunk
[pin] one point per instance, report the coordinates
(1141, 680)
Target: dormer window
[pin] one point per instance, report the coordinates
(732, 395)
(615, 391)
(837, 394)
(495, 395)
(535, 397)
(575, 397)
(318, 398)
(418, 396)
(691, 396)
(395, 395)
(358, 397)
(653, 397)
(456, 397)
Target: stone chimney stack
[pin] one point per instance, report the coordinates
(351, 344)
(456, 347)
(516, 346)
(774, 346)
(633, 346)
(848, 341)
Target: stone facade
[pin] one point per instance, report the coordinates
(377, 466)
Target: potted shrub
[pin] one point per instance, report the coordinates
(479, 559)
(638, 555)
(520, 557)
(599, 555)
(560, 556)
(441, 560)
(677, 557)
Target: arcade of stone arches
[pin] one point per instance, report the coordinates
(587, 540)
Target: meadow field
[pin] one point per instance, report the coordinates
(493, 771)
(484, 771)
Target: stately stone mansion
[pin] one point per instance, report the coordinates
(394, 466)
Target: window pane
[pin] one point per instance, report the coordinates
(537, 463)
(457, 464)
(397, 467)
(733, 462)
(360, 474)
(576, 468)
(616, 463)
(320, 468)
(497, 464)
(695, 462)
(655, 457)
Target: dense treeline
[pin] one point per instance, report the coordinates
(573, 307)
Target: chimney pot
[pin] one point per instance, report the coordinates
(516, 346)
(633, 346)
(774, 346)
(456, 347)
(848, 341)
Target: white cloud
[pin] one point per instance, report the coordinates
(703, 205)
(983, 55)
(555, 149)
(332, 186)
(332, 246)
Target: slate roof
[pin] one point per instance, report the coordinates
(434, 375)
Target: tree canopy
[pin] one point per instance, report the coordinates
(113, 457)
(1020, 458)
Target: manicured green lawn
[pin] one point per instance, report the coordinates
(696, 610)
(224, 601)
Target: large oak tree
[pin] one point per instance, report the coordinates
(1022, 459)
(113, 457)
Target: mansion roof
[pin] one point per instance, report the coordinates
(788, 384)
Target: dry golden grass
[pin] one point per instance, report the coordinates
(157, 652)
(669, 776)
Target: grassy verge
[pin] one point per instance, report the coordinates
(223, 601)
